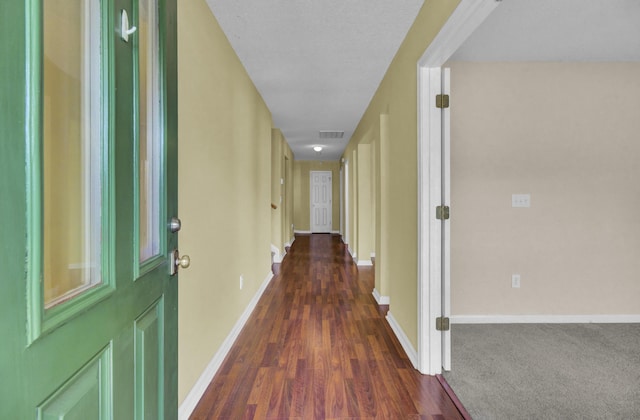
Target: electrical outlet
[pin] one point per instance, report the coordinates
(515, 281)
(241, 281)
(521, 200)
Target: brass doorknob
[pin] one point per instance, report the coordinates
(184, 261)
(178, 262)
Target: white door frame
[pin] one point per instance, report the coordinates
(342, 199)
(345, 238)
(465, 19)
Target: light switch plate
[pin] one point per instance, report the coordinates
(515, 281)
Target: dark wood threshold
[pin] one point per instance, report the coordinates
(454, 398)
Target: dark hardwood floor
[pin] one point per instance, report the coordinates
(317, 346)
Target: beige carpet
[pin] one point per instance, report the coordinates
(547, 371)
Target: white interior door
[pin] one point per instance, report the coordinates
(321, 199)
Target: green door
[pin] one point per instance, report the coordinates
(88, 189)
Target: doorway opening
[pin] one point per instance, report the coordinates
(434, 337)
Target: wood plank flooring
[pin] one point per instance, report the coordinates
(317, 346)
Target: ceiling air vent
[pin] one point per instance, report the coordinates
(329, 134)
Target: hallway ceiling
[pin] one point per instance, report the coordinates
(316, 63)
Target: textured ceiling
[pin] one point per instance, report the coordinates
(557, 30)
(316, 63)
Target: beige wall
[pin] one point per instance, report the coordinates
(392, 114)
(301, 187)
(225, 189)
(567, 133)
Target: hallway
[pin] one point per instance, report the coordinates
(317, 347)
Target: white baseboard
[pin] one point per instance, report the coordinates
(308, 232)
(403, 339)
(277, 257)
(364, 263)
(198, 389)
(381, 300)
(545, 319)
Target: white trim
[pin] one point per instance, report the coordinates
(381, 300)
(403, 339)
(429, 228)
(341, 198)
(373, 255)
(336, 232)
(364, 263)
(446, 227)
(277, 257)
(545, 319)
(345, 237)
(302, 232)
(199, 388)
(464, 20)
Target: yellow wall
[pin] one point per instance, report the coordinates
(281, 191)
(301, 187)
(567, 133)
(351, 193)
(289, 199)
(394, 109)
(225, 188)
(63, 195)
(364, 219)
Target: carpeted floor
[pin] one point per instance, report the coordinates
(547, 371)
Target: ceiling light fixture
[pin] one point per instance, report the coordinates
(317, 148)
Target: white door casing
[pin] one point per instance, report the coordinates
(342, 200)
(320, 201)
(345, 238)
(434, 347)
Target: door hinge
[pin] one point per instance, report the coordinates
(442, 323)
(442, 101)
(442, 212)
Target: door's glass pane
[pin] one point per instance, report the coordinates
(71, 148)
(150, 134)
